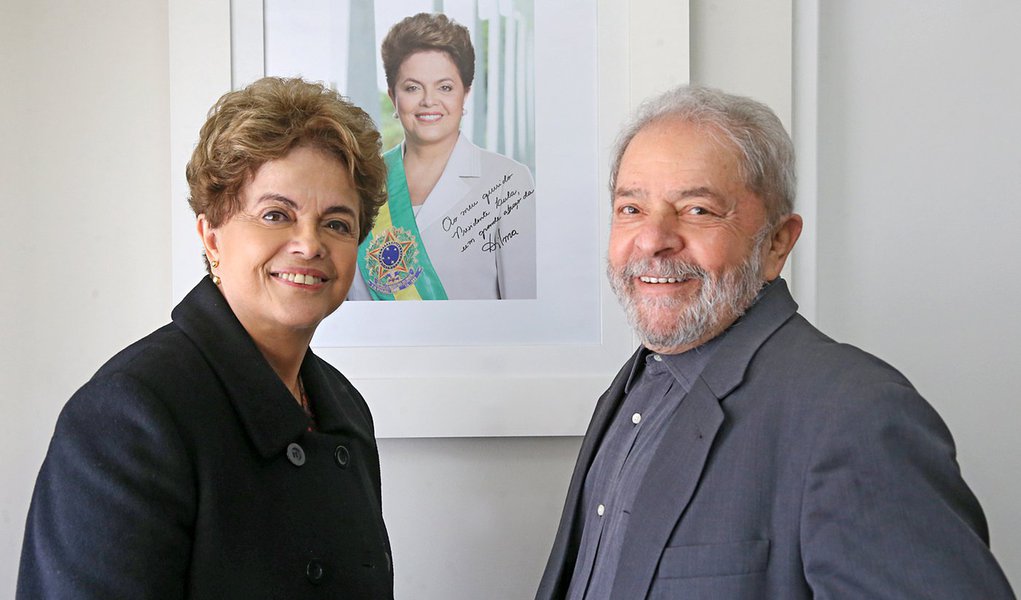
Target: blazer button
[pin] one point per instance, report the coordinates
(342, 456)
(314, 571)
(295, 454)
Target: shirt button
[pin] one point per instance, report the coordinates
(342, 456)
(295, 454)
(600, 510)
(636, 418)
(657, 358)
(314, 571)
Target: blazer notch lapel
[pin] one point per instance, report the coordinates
(258, 396)
(458, 177)
(557, 576)
(730, 360)
(667, 489)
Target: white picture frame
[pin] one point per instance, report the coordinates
(511, 388)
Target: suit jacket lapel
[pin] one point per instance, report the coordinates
(557, 577)
(666, 489)
(675, 471)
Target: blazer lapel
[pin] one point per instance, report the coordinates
(557, 577)
(264, 405)
(462, 170)
(666, 489)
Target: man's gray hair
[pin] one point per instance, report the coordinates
(765, 150)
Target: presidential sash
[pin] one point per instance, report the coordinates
(392, 259)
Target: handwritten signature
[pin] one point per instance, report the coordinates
(495, 243)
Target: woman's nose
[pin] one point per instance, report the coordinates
(308, 241)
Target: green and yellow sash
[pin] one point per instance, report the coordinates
(392, 259)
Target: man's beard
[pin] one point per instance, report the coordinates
(671, 322)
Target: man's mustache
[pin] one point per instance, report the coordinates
(663, 267)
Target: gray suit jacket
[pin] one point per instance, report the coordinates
(796, 467)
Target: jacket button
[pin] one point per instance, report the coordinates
(295, 454)
(342, 456)
(314, 571)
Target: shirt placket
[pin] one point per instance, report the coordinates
(603, 507)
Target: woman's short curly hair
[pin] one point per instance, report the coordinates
(426, 31)
(265, 121)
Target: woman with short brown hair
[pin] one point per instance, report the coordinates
(219, 457)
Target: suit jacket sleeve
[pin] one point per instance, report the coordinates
(113, 505)
(886, 513)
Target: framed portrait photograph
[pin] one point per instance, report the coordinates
(480, 308)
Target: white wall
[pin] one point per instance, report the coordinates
(84, 185)
(920, 214)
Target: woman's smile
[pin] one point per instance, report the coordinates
(286, 260)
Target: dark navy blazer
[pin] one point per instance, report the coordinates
(796, 467)
(185, 469)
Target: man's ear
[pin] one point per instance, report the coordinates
(781, 242)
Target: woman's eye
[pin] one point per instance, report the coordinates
(697, 210)
(410, 88)
(447, 88)
(274, 216)
(339, 226)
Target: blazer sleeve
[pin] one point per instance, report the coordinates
(114, 501)
(886, 513)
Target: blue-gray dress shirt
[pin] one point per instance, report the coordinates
(656, 388)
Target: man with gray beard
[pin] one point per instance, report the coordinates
(741, 453)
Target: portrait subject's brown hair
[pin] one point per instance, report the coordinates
(426, 31)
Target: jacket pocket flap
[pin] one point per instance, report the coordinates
(732, 558)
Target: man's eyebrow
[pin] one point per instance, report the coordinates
(699, 192)
(683, 194)
(629, 192)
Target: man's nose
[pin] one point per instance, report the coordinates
(660, 234)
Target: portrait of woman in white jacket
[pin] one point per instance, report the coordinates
(459, 222)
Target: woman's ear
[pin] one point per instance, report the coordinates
(207, 233)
